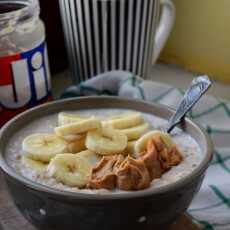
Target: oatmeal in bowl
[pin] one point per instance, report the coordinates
(103, 156)
(93, 150)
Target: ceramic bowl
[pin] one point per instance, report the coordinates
(154, 208)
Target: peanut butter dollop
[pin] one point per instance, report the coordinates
(129, 173)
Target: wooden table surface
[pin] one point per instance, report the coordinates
(11, 219)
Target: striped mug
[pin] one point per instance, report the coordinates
(104, 35)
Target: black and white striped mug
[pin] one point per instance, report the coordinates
(103, 35)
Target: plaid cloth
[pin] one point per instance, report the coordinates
(211, 206)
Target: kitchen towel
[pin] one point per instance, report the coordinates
(211, 206)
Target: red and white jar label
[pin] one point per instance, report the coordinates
(24, 81)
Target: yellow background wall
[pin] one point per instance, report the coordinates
(200, 40)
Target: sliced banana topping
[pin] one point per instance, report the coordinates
(132, 125)
(141, 143)
(69, 169)
(136, 132)
(167, 139)
(78, 127)
(43, 147)
(106, 141)
(72, 137)
(90, 156)
(124, 121)
(33, 164)
(67, 118)
(129, 150)
(77, 145)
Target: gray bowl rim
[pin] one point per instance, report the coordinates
(164, 190)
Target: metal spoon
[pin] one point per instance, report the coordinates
(196, 90)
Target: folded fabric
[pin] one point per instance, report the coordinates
(211, 206)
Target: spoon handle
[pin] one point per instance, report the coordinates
(198, 87)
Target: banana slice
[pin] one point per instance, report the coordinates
(81, 126)
(140, 145)
(124, 121)
(90, 156)
(130, 148)
(69, 169)
(34, 165)
(136, 132)
(72, 137)
(167, 139)
(106, 141)
(77, 145)
(67, 118)
(43, 147)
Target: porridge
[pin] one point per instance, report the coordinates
(103, 150)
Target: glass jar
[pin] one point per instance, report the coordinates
(24, 68)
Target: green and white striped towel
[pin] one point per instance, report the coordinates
(211, 206)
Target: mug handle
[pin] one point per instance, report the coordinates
(166, 23)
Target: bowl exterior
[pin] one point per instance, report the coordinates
(153, 209)
(48, 212)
